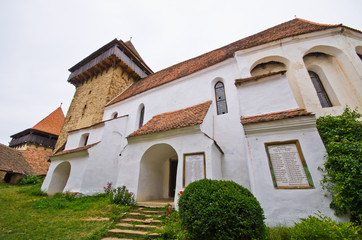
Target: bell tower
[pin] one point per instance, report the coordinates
(99, 78)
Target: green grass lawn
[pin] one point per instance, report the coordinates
(24, 214)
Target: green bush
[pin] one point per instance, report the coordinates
(322, 227)
(122, 196)
(212, 209)
(342, 137)
(30, 179)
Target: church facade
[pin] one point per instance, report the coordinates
(245, 112)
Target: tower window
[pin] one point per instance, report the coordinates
(321, 92)
(220, 98)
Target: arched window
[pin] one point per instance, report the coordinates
(220, 98)
(321, 92)
(142, 116)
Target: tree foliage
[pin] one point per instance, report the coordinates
(342, 137)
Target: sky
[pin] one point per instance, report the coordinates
(41, 39)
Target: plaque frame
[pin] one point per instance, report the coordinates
(184, 165)
(302, 159)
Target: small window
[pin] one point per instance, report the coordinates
(220, 98)
(142, 116)
(321, 92)
(84, 140)
(115, 115)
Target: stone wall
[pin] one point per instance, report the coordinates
(90, 98)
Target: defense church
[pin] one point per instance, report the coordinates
(244, 112)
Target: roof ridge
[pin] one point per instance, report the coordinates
(319, 24)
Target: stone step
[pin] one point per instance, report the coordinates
(155, 204)
(145, 221)
(153, 212)
(136, 226)
(127, 231)
(136, 214)
(134, 232)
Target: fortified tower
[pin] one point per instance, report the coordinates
(99, 78)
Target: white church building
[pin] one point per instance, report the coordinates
(245, 112)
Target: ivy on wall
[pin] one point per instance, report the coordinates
(342, 137)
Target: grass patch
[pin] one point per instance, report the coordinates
(27, 214)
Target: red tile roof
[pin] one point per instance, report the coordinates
(177, 119)
(52, 123)
(76, 149)
(288, 29)
(275, 116)
(255, 78)
(37, 159)
(11, 160)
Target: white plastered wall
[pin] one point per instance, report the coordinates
(291, 51)
(192, 90)
(285, 206)
(187, 140)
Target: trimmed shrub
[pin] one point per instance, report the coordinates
(213, 209)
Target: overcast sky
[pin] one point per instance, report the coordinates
(41, 39)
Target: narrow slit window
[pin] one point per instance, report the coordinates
(321, 92)
(142, 115)
(220, 98)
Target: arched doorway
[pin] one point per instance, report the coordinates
(59, 178)
(158, 170)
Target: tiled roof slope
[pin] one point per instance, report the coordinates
(37, 159)
(177, 119)
(52, 123)
(288, 29)
(11, 160)
(275, 116)
(76, 149)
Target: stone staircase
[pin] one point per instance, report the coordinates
(140, 223)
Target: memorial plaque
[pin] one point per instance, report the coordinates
(287, 165)
(194, 167)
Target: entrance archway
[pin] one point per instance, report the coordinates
(59, 178)
(158, 170)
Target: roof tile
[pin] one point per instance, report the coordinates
(52, 123)
(37, 159)
(275, 116)
(288, 29)
(11, 160)
(177, 119)
(255, 78)
(76, 149)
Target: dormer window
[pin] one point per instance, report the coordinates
(220, 98)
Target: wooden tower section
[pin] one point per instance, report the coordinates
(99, 78)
